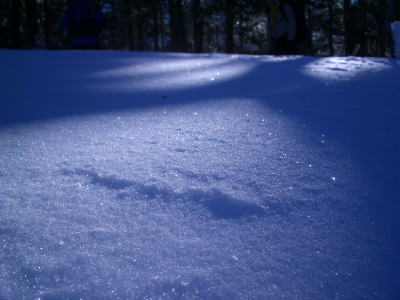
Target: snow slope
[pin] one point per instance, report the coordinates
(164, 175)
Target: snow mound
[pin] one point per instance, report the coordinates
(135, 175)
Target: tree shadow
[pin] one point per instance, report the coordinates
(40, 85)
(358, 109)
(331, 95)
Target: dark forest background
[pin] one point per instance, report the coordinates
(337, 27)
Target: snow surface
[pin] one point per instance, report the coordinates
(396, 37)
(164, 175)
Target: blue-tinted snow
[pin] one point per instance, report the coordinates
(149, 175)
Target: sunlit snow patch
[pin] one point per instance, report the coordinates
(279, 58)
(175, 74)
(343, 68)
(158, 66)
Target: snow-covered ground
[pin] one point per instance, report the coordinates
(161, 175)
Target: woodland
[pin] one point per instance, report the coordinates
(335, 27)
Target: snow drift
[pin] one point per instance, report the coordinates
(163, 175)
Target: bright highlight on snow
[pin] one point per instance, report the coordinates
(344, 68)
(137, 176)
(175, 74)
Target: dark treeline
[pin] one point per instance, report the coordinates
(336, 27)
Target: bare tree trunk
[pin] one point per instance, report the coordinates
(229, 20)
(178, 32)
(156, 25)
(381, 22)
(363, 6)
(241, 28)
(181, 29)
(198, 25)
(396, 10)
(46, 23)
(330, 30)
(308, 42)
(31, 22)
(162, 25)
(348, 34)
(15, 22)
